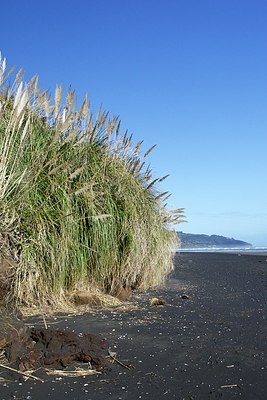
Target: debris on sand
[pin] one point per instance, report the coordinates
(56, 349)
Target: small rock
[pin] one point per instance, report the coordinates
(157, 302)
(185, 297)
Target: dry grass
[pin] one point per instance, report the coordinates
(78, 206)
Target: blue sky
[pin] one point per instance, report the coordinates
(188, 75)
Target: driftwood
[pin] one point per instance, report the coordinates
(26, 374)
(114, 358)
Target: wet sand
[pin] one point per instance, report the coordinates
(209, 346)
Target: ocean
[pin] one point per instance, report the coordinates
(237, 250)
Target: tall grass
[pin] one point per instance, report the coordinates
(78, 206)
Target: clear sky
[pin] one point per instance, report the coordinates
(188, 75)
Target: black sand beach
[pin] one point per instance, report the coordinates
(208, 346)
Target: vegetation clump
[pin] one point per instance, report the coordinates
(78, 206)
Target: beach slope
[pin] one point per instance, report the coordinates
(206, 342)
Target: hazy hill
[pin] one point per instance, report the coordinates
(190, 240)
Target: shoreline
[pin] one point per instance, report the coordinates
(208, 346)
(251, 252)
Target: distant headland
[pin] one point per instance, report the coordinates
(190, 240)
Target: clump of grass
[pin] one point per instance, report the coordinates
(78, 206)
